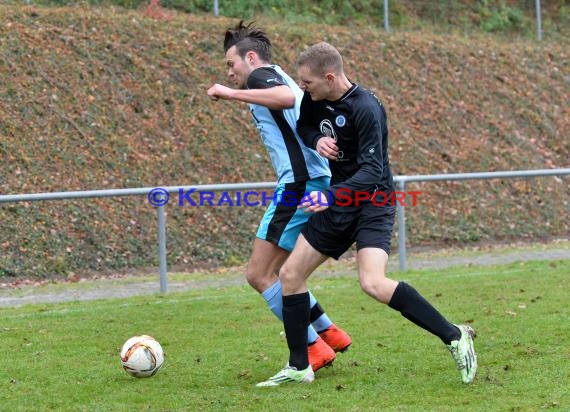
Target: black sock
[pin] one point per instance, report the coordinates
(316, 312)
(296, 320)
(415, 308)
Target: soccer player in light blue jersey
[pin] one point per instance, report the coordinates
(274, 100)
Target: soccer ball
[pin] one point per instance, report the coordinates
(142, 356)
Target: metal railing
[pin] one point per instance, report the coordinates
(402, 180)
(161, 217)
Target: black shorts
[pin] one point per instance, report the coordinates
(332, 232)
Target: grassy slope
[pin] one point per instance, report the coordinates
(108, 98)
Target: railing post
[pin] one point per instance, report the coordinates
(162, 248)
(386, 16)
(538, 21)
(401, 228)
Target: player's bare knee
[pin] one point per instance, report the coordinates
(288, 277)
(375, 289)
(257, 279)
(251, 275)
(367, 287)
(284, 273)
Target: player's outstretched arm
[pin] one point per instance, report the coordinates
(275, 98)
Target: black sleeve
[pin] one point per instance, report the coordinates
(264, 78)
(306, 129)
(370, 123)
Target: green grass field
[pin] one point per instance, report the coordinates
(220, 341)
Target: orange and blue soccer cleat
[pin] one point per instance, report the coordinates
(336, 338)
(320, 354)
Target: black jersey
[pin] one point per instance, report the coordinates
(357, 122)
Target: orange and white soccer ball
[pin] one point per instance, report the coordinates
(142, 356)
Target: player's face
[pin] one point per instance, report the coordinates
(238, 68)
(316, 85)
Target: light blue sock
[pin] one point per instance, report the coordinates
(322, 322)
(274, 299)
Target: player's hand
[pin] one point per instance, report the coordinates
(219, 91)
(314, 202)
(326, 146)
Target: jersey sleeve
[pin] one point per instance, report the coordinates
(305, 124)
(264, 78)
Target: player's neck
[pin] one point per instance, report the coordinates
(343, 86)
(262, 64)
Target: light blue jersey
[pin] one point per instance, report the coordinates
(291, 159)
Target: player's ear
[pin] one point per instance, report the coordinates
(330, 77)
(250, 57)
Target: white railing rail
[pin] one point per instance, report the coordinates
(161, 217)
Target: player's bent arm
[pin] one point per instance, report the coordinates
(369, 123)
(274, 98)
(306, 128)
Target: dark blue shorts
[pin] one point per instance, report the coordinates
(332, 231)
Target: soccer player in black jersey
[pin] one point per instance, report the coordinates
(347, 124)
(274, 100)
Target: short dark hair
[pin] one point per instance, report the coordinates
(248, 38)
(320, 58)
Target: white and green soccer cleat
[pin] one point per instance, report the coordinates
(289, 374)
(463, 352)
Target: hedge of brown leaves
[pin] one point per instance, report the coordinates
(108, 98)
